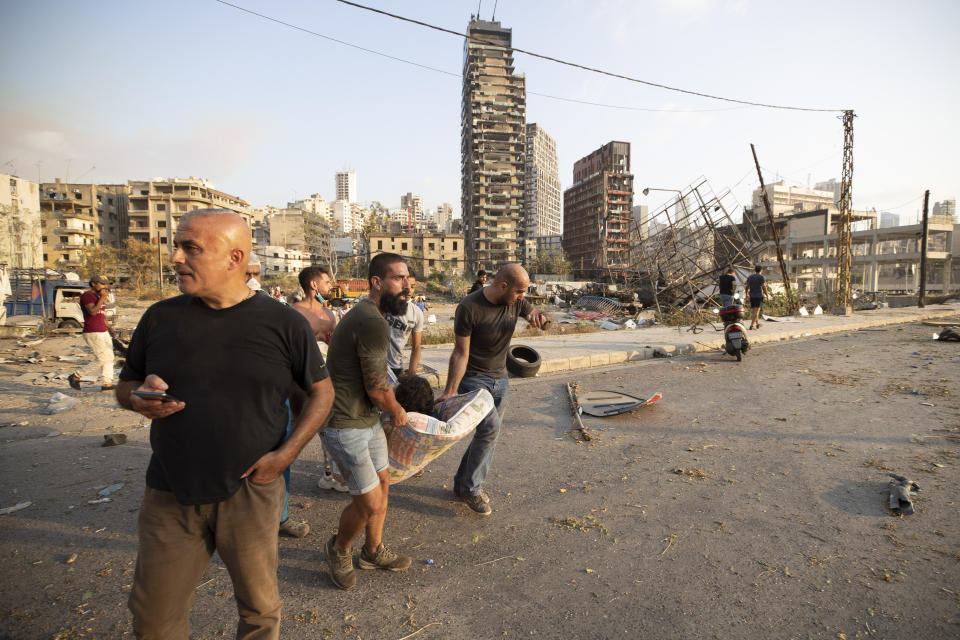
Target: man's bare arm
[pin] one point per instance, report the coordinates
(458, 366)
(376, 383)
(415, 348)
(315, 411)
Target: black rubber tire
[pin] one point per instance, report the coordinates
(523, 361)
(69, 323)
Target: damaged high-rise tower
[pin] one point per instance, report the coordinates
(492, 148)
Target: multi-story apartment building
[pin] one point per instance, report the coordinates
(597, 212)
(428, 252)
(492, 148)
(541, 198)
(786, 200)
(21, 231)
(76, 216)
(280, 260)
(346, 186)
(946, 211)
(156, 205)
(443, 217)
(413, 204)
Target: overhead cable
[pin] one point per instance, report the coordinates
(579, 66)
(457, 75)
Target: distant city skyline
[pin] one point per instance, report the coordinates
(271, 114)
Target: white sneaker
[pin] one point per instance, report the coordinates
(329, 482)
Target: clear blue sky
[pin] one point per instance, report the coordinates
(194, 87)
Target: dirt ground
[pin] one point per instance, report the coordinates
(750, 502)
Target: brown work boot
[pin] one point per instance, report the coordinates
(294, 529)
(482, 495)
(383, 559)
(478, 504)
(341, 566)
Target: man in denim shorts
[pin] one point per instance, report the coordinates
(357, 361)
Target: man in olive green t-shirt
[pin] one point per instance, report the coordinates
(353, 436)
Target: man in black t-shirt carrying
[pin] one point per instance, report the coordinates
(483, 327)
(726, 287)
(230, 358)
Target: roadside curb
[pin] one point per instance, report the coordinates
(771, 333)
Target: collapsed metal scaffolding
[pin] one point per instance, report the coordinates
(682, 248)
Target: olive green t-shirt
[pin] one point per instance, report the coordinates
(362, 333)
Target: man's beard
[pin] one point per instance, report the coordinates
(394, 304)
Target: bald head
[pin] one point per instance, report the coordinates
(513, 275)
(211, 250)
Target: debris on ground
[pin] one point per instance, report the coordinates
(900, 488)
(949, 334)
(113, 439)
(572, 390)
(60, 402)
(106, 491)
(14, 508)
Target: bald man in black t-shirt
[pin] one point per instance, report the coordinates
(483, 327)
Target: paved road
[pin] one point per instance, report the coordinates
(748, 503)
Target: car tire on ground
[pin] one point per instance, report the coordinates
(523, 361)
(69, 323)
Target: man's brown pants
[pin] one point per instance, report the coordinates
(176, 543)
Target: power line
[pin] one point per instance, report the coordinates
(453, 74)
(579, 66)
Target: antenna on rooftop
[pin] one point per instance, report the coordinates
(493, 16)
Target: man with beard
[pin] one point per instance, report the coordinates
(357, 360)
(483, 327)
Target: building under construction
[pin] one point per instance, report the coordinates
(492, 148)
(597, 213)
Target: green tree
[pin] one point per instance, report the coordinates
(140, 259)
(99, 259)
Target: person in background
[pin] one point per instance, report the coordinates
(97, 333)
(726, 286)
(757, 290)
(401, 329)
(480, 282)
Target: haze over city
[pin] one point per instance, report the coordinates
(112, 91)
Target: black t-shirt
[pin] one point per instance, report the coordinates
(476, 285)
(755, 285)
(490, 328)
(727, 284)
(234, 368)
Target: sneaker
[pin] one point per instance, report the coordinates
(477, 503)
(329, 482)
(482, 495)
(341, 566)
(383, 559)
(74, 381)
(294, 529)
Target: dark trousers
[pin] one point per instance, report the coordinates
(176, 543)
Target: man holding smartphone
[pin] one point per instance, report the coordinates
(230, 357)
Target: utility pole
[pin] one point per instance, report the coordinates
(791, 302)
(921, 302)
(844, 239)
(159, 266)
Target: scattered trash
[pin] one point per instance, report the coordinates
(60, 402)
(629, 324)
(68, 358)
(31, 343)
(900, 488)
(609, 326)
(73, 558)
(429, 560)
(572, 390)
(917, 392)
(523, 361)
(927, 404)
(608, 306)
(818, 311)
(113, 439)
(14, 508)
(950, 334)
(99, 501)
(804, 312)
(432, 319)
(612, 403)
(106, 491)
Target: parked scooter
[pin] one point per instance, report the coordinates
(735, 341)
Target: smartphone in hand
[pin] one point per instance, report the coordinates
(155, 395)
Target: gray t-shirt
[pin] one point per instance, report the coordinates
(490, 328)
(400, 329)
